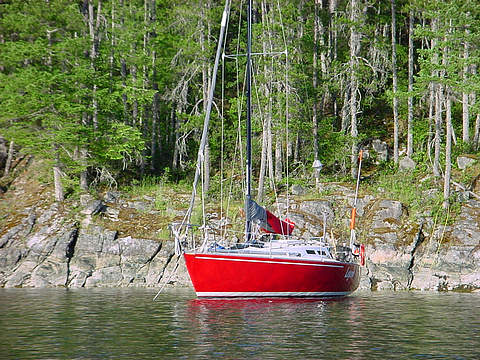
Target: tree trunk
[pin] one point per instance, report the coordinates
(93, 54)
(354, 51)
(448, 151)
(57, 179)
(438, 107)
(332, 46)
(263, 162)
(8, 164)
(176, 139)
(155, 101)
(431, 104)
(476, 132)
(123, 72)
(145, 84)
(267, 118)
(278, 158)
(155, 120)
(438, 128)
(344, 118)
(271, 172)
(465, 95)
(2, 41)
(410, 86)
(296, 150)
(394, 76)
(112, 42)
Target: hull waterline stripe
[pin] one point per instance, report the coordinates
(267, 261)
(270, 294)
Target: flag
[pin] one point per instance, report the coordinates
(269, 222)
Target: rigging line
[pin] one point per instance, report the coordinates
(222, 145)
(204, 216)
(287, 120)
(238, 140)
(248, 128)
(281, 25)
(174, 270)
(269, 32)
(240, 101)
(203, 141)
(269, 158)
(287, 95)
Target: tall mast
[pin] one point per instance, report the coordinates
(213, 81)
(248, 196)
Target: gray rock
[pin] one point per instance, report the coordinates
(407, 164)
(465, 161)
(390, 209)
(102, 260)
(297, 189)
(139, 205)
(318, 208)
(44, 250)
(111, 197)
(9, 257)
(299, 220)
(381, 148)
(467, 227)
(94, 207)
(48, 214)
(363, 202)
(112, 213)
(463, 196)
(86, 199)
(387, 217)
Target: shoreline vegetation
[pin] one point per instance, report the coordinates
(120, 238)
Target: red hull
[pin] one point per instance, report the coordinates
(227, 275)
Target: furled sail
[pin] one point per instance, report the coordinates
(269, 222)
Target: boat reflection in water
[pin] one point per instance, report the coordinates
(282, 326)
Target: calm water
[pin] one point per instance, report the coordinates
(127, 324)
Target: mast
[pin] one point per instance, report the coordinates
(248, 195)
(203, 141)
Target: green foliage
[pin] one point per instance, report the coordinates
(407, 187)
(96, 113)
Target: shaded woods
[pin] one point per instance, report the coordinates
(110, 91)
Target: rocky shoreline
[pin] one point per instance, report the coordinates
(47, 250)
(44, 245)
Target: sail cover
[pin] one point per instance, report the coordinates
(269, 222)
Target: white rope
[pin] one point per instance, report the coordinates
(201, 152)
(222, 145)
(169, 277)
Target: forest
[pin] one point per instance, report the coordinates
(108, 91)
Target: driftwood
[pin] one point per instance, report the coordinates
(465, 189)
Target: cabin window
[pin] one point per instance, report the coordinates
(311, 252)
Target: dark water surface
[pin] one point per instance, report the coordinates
(127, 324)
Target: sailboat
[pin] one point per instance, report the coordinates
(272, 262)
